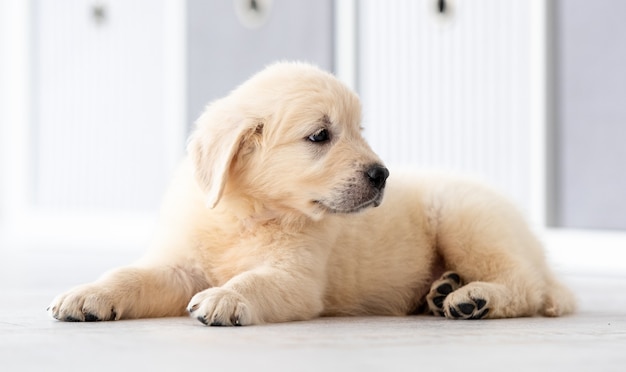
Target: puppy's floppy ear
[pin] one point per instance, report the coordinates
(220, 134)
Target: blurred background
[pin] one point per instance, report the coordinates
(97, 98)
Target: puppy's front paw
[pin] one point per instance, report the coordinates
(87, 303)
(220, 307)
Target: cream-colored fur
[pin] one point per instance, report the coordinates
(263, 224)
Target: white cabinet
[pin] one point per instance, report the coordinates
(450, 90)
(98, 104)
(100, 126)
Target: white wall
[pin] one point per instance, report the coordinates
(14, 90)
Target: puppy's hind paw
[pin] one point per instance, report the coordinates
(474, 308)
(449, 282)
(473, 301)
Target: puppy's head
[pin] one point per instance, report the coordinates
(288, 140)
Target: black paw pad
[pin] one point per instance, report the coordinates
(89, 317)
(466, 308)
(445, 289)
(202, 320)
(438, 301)
(454, 277)
(480, 303)
(454, 313)
(481, 314)
(477, 309)
(70, 318)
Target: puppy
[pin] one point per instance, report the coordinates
(272, 218)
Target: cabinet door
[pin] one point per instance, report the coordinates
(448, 87)
(98, 109)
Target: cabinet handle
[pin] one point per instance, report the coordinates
(99, 13)
(442, 6)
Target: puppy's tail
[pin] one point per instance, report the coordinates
(558, 300)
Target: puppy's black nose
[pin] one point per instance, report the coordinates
(377, 175)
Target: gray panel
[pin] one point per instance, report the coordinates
(223, 52)
(591, 112)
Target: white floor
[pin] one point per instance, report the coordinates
(592, 340)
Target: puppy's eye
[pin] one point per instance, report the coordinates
(321, 135)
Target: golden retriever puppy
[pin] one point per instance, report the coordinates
(278, 214)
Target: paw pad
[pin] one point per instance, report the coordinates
(476, 309)
(445, 289)
(469, 310)
(89, 317)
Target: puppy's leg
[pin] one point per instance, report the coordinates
(263, 295)
(475, 300)
(486, 241)
(500, 282)
(130, 292)
(449, 297)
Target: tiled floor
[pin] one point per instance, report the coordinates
(592, 340)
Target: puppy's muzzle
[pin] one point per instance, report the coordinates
(358, 193)
(377, 176)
